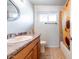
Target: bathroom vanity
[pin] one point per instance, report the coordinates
(30, 50)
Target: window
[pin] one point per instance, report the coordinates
(48, 18)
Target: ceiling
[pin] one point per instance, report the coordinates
(48, 2)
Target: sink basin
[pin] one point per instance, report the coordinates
(19, 39)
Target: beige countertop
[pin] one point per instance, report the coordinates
(14, 48)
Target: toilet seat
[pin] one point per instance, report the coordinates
(43, 42)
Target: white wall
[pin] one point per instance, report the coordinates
(49, 32)
(25, 21)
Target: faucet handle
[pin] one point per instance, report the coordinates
(11, 35)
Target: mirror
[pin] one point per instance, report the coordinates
(13, 12)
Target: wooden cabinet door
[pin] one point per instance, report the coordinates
(38, 51)
(35, 52)
(30, 56)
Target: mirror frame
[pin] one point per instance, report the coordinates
(18, 12)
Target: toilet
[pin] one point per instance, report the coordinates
(43, 45)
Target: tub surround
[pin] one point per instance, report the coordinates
(13, 49)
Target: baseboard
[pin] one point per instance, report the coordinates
(54, 46)
(65, 50)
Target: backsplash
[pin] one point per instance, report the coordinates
(12, 35)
